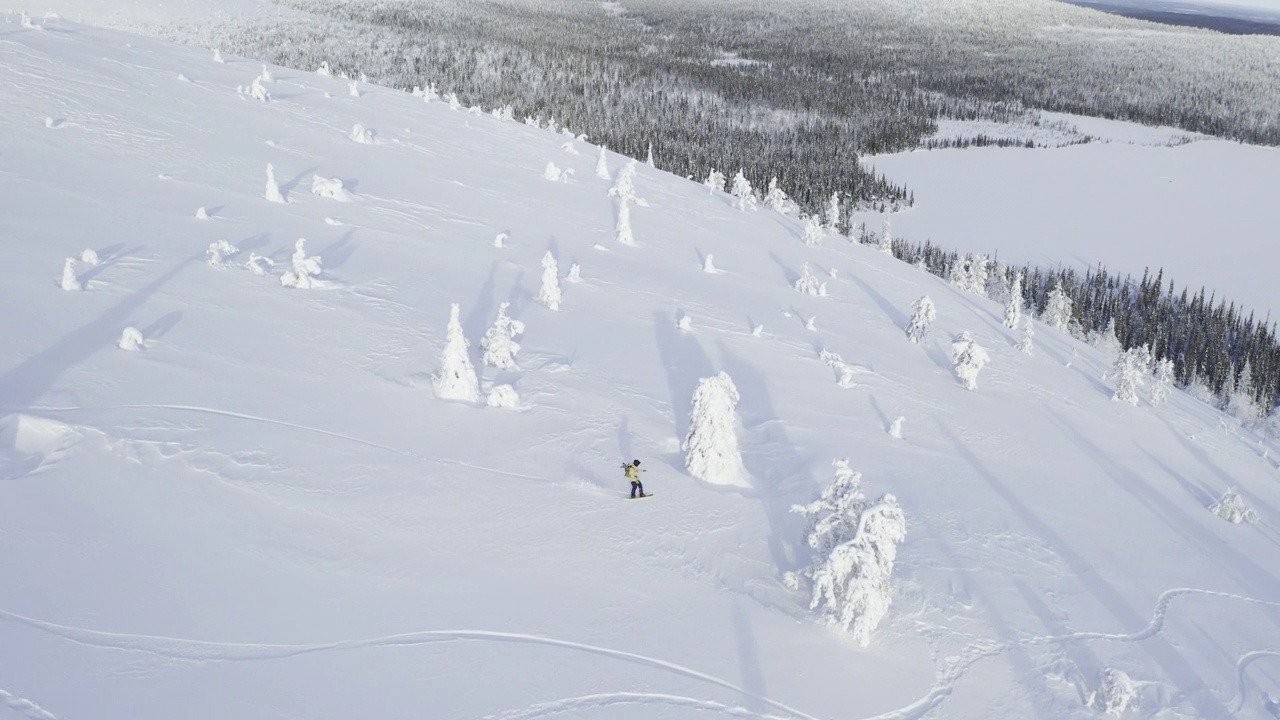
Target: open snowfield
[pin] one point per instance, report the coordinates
(266, 512)
(1203, 210)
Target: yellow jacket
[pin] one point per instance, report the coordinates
(633, 473)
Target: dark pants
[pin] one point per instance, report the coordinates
(635, 485)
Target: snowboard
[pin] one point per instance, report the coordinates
(645, 496)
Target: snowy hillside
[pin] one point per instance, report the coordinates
(264, 510)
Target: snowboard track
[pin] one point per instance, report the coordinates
(953, 670)
(24, 707)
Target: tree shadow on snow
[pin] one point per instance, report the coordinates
(108, 261)
(337, 254)
(1170, 658)
(32, 378)
(780, 475)
(684, 363)
(288, 187)
(898, 317)
(162, 326)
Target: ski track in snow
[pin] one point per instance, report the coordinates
(953, 670)
(207, 651)
(27, 708)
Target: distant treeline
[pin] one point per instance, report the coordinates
(1213, 344)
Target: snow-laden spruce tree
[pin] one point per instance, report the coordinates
(1106, 340)
(743, 192)
(969, 273)
(776, 199)
(711, 446)
(1058, 310)
(602, 165)
(457, 379)
(258, 92)
(305, 268)
(1131, 369)
(272, 192)
(1026, 342)
(715, 180)
(855, 546)
(503, 396)
(833, 213)
(808, 283)
(550, 294)
(69, 280)
(1013, 304)
(648, 158)
(622, 230)
(885, 245)
(1163, 381)
(1232, 508)
(1241, 402)
(969, 358)
(500, 347)
(709, 265)
(923, 314)
(624, 187)
(551, 172)
(812, 231)
(361, 134)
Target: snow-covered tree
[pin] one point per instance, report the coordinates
(969, 358)
(550, 294)
(353, 88)
(1232, 508)
(895, 430)
(886, 237)
(743, 192)
(69, 279)
(266, 76)
(329, 188)
(969, 273)
(219, 251)
(273, 188)
(844, 371)
(1163, 381)
(602, 165)
(712, 443)
(624, 187)
(457, 378)
(1026, 343)
(202, 214)
(1106, 340)
(575, 273)
(812, 231)
(131, 339)
(1240, 401)
(833, 213)
(622, 231)
(1058, 309)
(305, 268)
(360, 134)
(500, 347)
(217, 56)
(855, 546)
(1117, 693)
(258, 92)
(551, 172)
(1131, 370)
(776, 199)
(648, 159)
(503, 396)
(1013, 304)
(715, 181)
(89, 256)
(808, 283)
(708, 265)
(923, 314)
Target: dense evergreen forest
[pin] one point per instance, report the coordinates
(798, 91)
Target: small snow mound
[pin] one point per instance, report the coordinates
(332, 221)
(219, 251)
(685, 323)
(28, 442)
(504, 396)
(811, 324)
(202, 214)
(709, 266)
(552, 172)
(361, 134)
(323, 70)
(329, 188)
(305, 268)
(1117, 694)
(757, 331)
(183, 78)
(600, 247)
(131, 340)
(500, 240)
(895, 429)
(89, 256)
(1232, 508)
(49, 122)
(569, 148)
(575, 274)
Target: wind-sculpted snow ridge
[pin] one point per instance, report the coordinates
(269, 511)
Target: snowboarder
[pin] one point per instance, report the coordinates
(633, 474)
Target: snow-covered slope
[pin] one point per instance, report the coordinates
(267, 513)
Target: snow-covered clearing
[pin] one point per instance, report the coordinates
(1203, 209)
(266, 512)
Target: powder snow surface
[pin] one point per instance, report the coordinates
(266, 513)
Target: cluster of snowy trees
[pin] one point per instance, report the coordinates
(855, 543)
(457, 378)
(817, 86)
(1204, 344)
